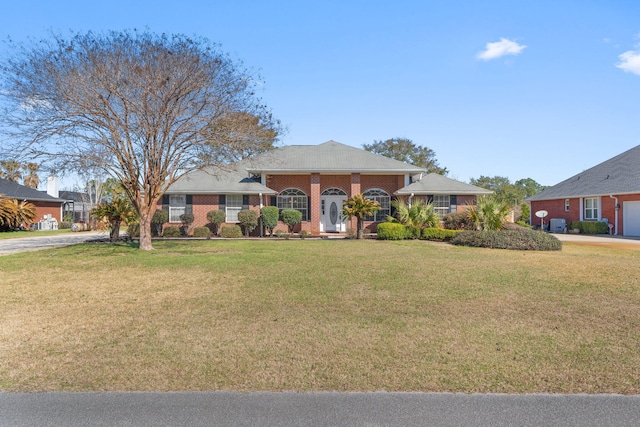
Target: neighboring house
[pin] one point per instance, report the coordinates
(45, 204)
(77, 205)
(607, 192)
(314, 179)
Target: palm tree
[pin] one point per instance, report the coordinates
(7, 213)
(31, 180)
(360, 207)
(417, 216)
(116, 211)
(14, 214)
(10, 170)
(488, 213)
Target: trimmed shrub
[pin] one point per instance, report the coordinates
(291, 217)
(523, 239)
(186, 219)
(249, 220)
(216, 218)
(64, 225)
(202, 232)
(391, 231)
(590, 227)
(269, 216)
(133, 230)
(231, 231)
(413, 232)
(439, 234)
(159, 217)
(171, 231)
(458, 221)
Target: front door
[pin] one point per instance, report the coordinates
(331, 220)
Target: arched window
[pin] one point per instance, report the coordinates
(293, 198)
(381, 197)
(333, 192)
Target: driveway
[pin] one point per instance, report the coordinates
(24, 244)
(601, 240)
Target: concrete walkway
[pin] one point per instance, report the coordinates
(34, 243)
(315, 409)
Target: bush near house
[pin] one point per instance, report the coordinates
(171, 231)
(590, 227)
(391, 231)
(159, 217)
(231, 231)
(458, 221)
(522, 239)
(439, 234)
(269, 216)
(291, 217)
(249, 220)
(202, 232)
(216, 218)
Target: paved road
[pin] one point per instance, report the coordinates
(10, 246)
(315, 409)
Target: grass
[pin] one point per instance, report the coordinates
(19, 234)
(320, 315)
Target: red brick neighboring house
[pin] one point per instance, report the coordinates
(609, 191)
(314, 179)
(45, 204)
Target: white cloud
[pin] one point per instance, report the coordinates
(499, 49)
(630, 62)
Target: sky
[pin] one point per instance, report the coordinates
(537, 89)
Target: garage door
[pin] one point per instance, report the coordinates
(631, 218)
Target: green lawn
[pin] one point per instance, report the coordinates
(320, 315)
(19, 234)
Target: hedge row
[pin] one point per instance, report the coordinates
(396, 231)
(590, 227)
(523, 239)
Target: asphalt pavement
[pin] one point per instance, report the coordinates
(315, 409)
(34, 243)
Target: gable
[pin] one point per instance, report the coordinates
(618, 175)
(329, 157)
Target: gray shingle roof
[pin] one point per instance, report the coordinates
(13, 190)
(434, 183)
(218, 181)
(618, 175)
(330, 156)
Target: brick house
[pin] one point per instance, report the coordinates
(609, 192)
(314, 179)
(45, 204)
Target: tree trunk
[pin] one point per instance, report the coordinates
(359, 228)
(115, 229)
(145, 231)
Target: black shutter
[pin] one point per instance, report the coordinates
(308, 218)
(189, 207)
(222, 201)
(273, 201)
(245, 201)
(165, 202)
(429, 198)
(453, 200)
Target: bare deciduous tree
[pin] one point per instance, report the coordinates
(144, 108)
